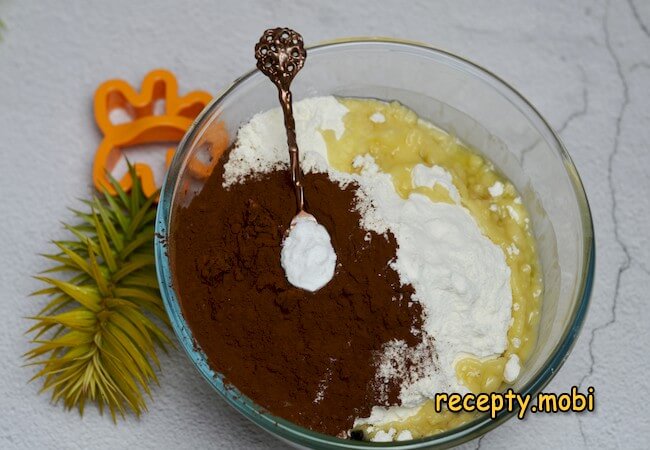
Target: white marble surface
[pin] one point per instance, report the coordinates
(585, 65)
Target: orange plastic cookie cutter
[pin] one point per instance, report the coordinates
(147, 125)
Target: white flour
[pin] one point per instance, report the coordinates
(262, 142)
(426, 176)
(460, 277)
(512, 369)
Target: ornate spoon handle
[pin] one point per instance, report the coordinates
(280, 54)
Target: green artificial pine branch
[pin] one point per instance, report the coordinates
(96, 338)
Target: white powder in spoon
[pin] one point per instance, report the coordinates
(307, 256)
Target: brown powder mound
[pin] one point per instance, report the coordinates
(307, 357)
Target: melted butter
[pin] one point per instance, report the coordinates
(398, 144)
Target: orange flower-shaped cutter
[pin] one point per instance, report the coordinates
(147, 125)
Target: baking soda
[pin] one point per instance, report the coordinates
(307, 256)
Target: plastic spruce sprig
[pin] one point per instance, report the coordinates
(96, 339)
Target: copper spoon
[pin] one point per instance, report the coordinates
(280, 54)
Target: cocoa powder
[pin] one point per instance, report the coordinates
(308, 357)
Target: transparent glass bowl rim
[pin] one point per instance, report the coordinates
(295, 433)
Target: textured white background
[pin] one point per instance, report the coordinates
(585, 65)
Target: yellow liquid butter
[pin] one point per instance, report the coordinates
(398, 140)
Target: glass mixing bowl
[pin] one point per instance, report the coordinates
(463, 99)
